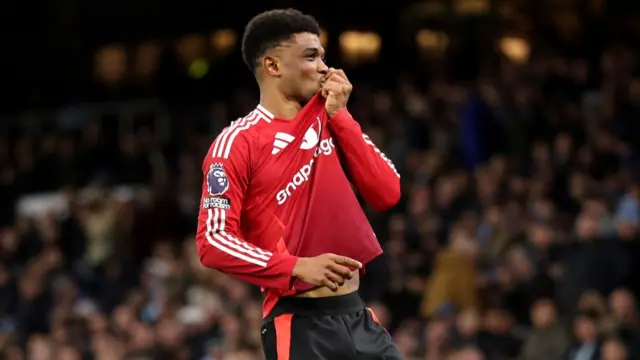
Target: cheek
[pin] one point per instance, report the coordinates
(308, 70)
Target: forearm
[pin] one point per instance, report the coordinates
(372, 173)
(236, 257)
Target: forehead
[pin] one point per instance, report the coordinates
(303, 41)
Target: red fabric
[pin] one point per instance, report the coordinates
(283, 335)
(275, 190)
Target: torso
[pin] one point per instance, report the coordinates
(298, 198)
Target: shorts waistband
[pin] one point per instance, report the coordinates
(331, 305)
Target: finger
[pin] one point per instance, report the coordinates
(330, 284)
(330, 86)
(337, 72)
(333, 81)
(343, 260)
(340, 73)
(329, 90)
(335, 278)
(343, 271)
(335, 86)
(330, 73)
(337, 79)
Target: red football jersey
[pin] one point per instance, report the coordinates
(275, 190)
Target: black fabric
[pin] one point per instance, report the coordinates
(334, 328)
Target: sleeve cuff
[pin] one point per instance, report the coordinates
(342, 116)
(287, 263)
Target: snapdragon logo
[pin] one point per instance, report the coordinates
(325, 147)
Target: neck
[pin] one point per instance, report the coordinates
(279, 104)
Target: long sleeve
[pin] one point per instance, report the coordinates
(372, 173)
(219, 240)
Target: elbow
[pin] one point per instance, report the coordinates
(204, 259)
(208, 257)
(388, 198)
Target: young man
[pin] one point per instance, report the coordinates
(278, 209)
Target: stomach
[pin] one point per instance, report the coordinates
(348, 287)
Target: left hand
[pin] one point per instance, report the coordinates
(336, 90)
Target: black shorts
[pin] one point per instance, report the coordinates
(333, 328)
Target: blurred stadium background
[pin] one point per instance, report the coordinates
(514, 124)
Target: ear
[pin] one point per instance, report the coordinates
(271, 66)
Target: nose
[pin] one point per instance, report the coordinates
(323, 68)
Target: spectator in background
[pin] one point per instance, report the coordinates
(99, 225)
(625, 319)
(453, 281)
(499, 341)
(468, 353)
(614, 349)
(467, 329)
(69, 353)
(627, 219)
(548, 339)
(587, 342)
(507, 236)
(437, 337)
(594, 262)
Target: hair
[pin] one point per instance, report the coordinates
(270, 28)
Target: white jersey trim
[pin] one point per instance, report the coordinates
(265, 111)
(220, 239)
(223, 143)
(384, 157)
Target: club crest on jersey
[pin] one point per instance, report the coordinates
(311, 137)
(217, 181)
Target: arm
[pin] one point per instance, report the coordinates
(220, 244)
(372, 173)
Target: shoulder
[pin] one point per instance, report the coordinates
(240, 136)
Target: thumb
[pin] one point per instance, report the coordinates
(331, 91)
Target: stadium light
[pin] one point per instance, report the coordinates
(147, 58)
(191, 48)
(471, 7)
(324, 37)
(360, 46)
(223, 41)
(432, 42)
(198, 69)
(110, 64)
(516, 49)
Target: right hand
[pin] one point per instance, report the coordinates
(328, 270)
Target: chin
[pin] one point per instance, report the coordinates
(304, 98)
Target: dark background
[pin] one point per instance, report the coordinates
(517, 235)
(49, 46)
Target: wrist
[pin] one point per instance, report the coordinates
(299, 262)
(339, 115)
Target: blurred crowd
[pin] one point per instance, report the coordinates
(517, 235)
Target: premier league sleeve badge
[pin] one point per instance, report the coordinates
(217, 181)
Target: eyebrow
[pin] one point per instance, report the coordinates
(314, 50)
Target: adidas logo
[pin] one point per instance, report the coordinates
(310, 140)
(281, 142)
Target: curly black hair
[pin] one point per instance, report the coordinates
(270, 28)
